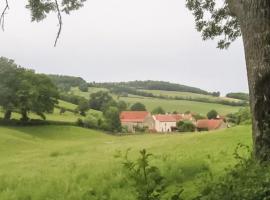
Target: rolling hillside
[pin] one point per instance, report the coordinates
(62, 162)
(169, 105)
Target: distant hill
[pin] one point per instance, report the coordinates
(65, 83)
(238, 95)
(151, 85)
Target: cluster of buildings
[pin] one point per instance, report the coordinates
(133, 120)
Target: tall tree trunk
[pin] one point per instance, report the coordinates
(25, 117)
(255, 27)
(7, 115)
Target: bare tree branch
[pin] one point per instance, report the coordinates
(2, 17)
(60, 22)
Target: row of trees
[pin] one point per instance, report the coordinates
(24, 91)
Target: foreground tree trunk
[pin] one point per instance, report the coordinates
(255, 27)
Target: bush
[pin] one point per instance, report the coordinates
(243, 116)
(147, 179)
(158, 110)
(138, 107)
(248, 179)
(91, 121)
(212, 114)
(186, 126)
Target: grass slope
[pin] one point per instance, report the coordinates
(62, 162)
(168, 105)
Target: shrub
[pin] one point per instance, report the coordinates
(138, 107)
(147, 179)
(112, 119)
(248, 179)
(212, 114)
(158, 110)
(186, 126)
(91, 121)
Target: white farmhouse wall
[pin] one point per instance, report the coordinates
(164, 126)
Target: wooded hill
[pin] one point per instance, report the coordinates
(151, 85)
(147, 89)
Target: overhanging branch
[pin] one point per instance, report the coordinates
(60, 22)
(2, 17)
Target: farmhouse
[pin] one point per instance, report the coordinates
(137, 119)
(183, 117)
(209, 125)
(165, 123)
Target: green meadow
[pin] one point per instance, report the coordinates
(167, 104)
(67, 163)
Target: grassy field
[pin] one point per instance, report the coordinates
(67, 163)
(67, 105)
(187, 95)
(168, 105)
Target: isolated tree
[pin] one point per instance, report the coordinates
(83, 107)
(83, 87)
(122, 106)
(36, 93)
(112, 119)
(227, 20)
(212, 114)
(158, 110)
(185, 126)
(100, 100)
(138, 107)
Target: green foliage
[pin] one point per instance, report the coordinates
(91, 121)
(24, 91)
(248, 179)
(100, 100)
(131, 86)
(112, 119)
(238, 95)
(83, 87)
(89, 170)
(243, 116)
(214, 21)
(64, 83)
(199, 116)
(62, 111)
(71, 98)
(83, 107)
(138, 107)
(185, 126)
(146, 179)
(212, 114)
(216, 94)
(158, 110)
(122, 106)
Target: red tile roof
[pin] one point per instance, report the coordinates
(209, 124)
(165, 118)
(177, 117)
(133, 116)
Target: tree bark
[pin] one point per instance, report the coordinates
(7, 115)
(25, 117)
(255, 27)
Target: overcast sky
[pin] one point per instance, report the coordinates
(123, 40)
